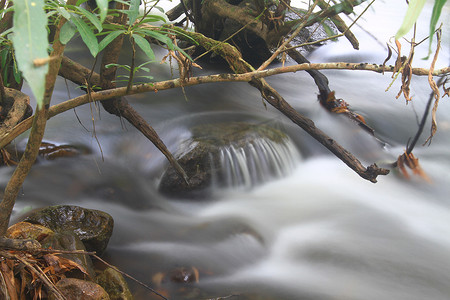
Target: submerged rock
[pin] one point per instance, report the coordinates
(93, 227)
(229, 155)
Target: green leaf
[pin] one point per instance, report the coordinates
(159, 36)
(79, 2)
(67, 32)
(108, 39)
(92, 18)
(103, 7)
(63, 12)
(6, 32)
(16, 74)
(144, 45)
(133, 11)
(412, 13)
(87, 35)
(437, 9)
(160, 9)
(30, 42)
(3, 57)
(154, 18)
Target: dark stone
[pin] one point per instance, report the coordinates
(73, 289)
(93, 227)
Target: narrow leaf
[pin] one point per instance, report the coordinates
(63, 12)
(103, 7)
(67, 32)
(133, 11)
(86, 34)
(412, 13)
(437, 9)
(79, 2)
(154, 18)
(159, 36)
(92, 18)
(30, 42)
(145, 46)
(108, 39)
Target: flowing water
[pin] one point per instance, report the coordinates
(320, 232)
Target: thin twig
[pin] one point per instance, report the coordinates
(130, 277)
(411, 146)
(287, 41)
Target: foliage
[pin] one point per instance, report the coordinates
(24, 48)
(414, 9)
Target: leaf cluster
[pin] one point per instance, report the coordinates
(24, 47)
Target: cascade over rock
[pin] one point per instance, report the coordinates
(235, 154)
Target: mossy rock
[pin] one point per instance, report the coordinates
(93, 227)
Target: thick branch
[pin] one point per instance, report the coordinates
(176, 83)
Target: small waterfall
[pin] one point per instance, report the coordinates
(230, 155)
(259, 161)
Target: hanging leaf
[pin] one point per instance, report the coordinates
(66, 33)
(103, 7)
(412, 13)
(63, 12)
(108, 39)
(30, 42)
(92, 18)
(87, 35)
(133, 11)
(437, 9)
(159, 36)
(145, 46)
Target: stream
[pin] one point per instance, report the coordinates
(316, 231)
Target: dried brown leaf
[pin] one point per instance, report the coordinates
(446, 90)
(59, 265)
(10, 281)
(410, 161)
(388, 56)
(435, 89)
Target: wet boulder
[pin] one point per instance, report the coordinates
(93, 227)
(229, 155)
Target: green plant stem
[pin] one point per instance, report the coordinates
(2, 91)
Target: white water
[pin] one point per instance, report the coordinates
(320, 233)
